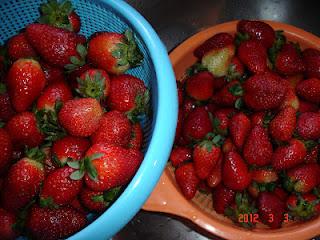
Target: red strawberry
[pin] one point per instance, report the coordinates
(200, 86)
(7, 222)
(311, 58)
(23, 130)
(114, 52)
(23, 181)
(257, 118)
(215, 176)
(290, 100)
(81, 117)
(257, 30)
(114, 166)
(188, 106)
(288, 60)
(187, 180)
(197, 125)
(180, 96)
(6, 109)
(55, 92)
(305, 106)
(312, 155)
(264, 91)
(180, 155)
(52, 74)
(6, 149)
(303, 178)
(56, 46)
(289, 156)
(128, 93)
(258, 148)
(69, 148)
(51, 224)
(254, 55)
(60, 15)
(239, 129)
(264, 175)
(178, 135)
(94, 83)
(26, 80)
(294, 79)
(221, 120)
(303, 207)
(309, 90)
(235, 69)
(228, 95)
(77, 205)
(220, 82)
(205, 156)
(282, 194)
(136, 137)
(235, 174)
(271, 209)
(222, 197)
(228, 146)
(19, 47)
(115, 128)
(58, 188)
(308, 125)
(217, 41)
(49, 165)
(283, 125)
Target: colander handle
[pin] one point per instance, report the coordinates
(167, 198)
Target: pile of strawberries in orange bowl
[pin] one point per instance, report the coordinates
(246, 153)
(82, 104)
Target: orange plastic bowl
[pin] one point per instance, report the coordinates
(167, 197)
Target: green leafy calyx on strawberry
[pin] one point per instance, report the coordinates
(93, 88)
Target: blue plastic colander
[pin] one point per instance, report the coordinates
(156, 72)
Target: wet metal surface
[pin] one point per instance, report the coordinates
(175, 21)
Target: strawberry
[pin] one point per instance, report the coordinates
(258, 148)
(188, 106)
(264, 175)
(49, 165)
(283, 125)
(221, 120)
(239, 128)
(257, 118)
(98, 201)
(282, 194)
(60, 15)
(308, 125)
(220, 82)
(215, 176)
(311, 58)
(228, 95)
(205, 157)
(136, 137)
(128, 94)
(56, 46)
(19, 47)
(309, 90)
(288, 60)
(187, 180)
(180, 155)
(26, 80)
(302, 178)
(180, 96)
(94, 83)
(52, 74)
(228, 146)
(235, 69)
(23, 130)
(74, 74)
(55, 92)
(58, 188)
(271, 209)
(253, 55)
(235, 174)
(285, 157)
(303, 207)
(77, 205)
(7, 222)
(197, 125)
(264, 91)
(50, 224)
(69, 148)
(114, 166)
(114, 128)
(305, 106)
(200, 86)
(114, 52)
(178, 134)
(290, 100)
(6, 149)
(312, 155)
(222, 197)
(6, 108)
(217, 41)
(23, 181)
(257, 30)
(81, 117)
